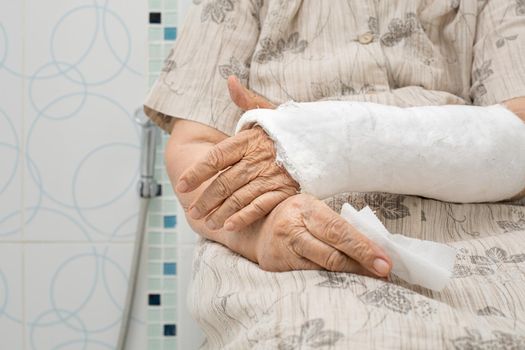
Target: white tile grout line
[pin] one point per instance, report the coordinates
(22, 149)
(66, 242)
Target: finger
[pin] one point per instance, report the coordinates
(331, 259)
(221, 156)
(244, 98)
(221, 188)
(238, 200)
(256, 210)
(335, 231)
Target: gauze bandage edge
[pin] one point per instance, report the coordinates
(452, 153)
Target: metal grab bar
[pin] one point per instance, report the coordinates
(147, 188)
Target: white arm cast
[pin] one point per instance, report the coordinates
(452, 153)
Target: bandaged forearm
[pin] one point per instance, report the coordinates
(451, 153)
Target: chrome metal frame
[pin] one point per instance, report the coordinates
(147, 189)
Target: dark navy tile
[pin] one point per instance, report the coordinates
(155, 17)
(170, 330)
(154, 299)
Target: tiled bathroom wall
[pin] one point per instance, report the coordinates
(170, 240)
(72, 74)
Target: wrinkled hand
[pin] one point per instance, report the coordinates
(303, 233)
(250, 183)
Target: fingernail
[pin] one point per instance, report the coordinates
(382, 268)
(229, 226)
(182, 186)
(195, 213)
(211, 225)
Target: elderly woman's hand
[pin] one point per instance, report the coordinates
(303, 233)
(250, 183)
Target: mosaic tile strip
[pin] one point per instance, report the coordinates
(162, 216)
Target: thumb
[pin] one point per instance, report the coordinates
(244, 98)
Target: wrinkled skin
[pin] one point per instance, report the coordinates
(250, 183)
(303, 233)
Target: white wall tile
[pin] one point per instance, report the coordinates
(11, 109)
(85, 61)
(11, 297)
(75, 294)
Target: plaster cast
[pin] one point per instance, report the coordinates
(452, 153)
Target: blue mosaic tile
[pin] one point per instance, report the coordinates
(170, 33)
(170, 221)
(170, 269)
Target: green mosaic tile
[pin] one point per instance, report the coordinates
(169, 315)
(170, 343)
(155, 205)
(170, 253)
(170, 206)
(154, 315)
(159, 162)
(169, 299)
(154, 344)
(155, 220)
(154, 269)
(154, 238)
(154, 253)
(155, 34)
(154, 284)
(155, 4)
(170, 284)
(155, 330)
(170, 19)
(155, 51)
(170, 4)
(155, 65)
(170, 238)
(168, 191)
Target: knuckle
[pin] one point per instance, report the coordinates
(298, 244)
(258, 207)
(221, 188)
(335, 261)
(201, 206)
(215, 157)
(235, 202)
(335, 231)
(241, 219)
(362, 250)
(190, 176)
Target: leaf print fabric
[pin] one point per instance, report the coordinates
(216, 10)
(388, 206)
(234, 68)
(487, 264)
(271, 50)
(399, 29)
(473, 340)
(311, 335)
(520, 8)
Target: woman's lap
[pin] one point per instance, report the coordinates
(241, 306)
